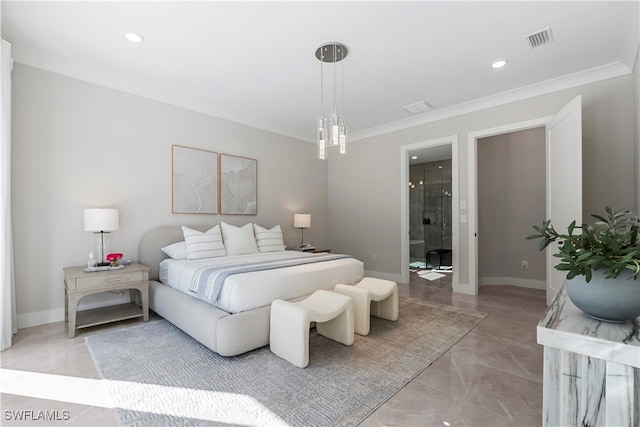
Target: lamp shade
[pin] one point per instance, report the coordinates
(98, 219)
(302, 220)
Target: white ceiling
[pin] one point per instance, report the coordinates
(254, 63)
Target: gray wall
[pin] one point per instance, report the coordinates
(79, 145)
(364, 186)
(511, 198)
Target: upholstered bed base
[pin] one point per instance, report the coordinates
(226, 334)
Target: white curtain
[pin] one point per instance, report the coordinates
(8, 318)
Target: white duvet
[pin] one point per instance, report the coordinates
(246, 291)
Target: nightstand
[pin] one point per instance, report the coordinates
(78, 284)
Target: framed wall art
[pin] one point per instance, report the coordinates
(194, 178)
(238, 185)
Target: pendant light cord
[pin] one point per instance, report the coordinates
(335, 57)
(342, 87)
(321, 82)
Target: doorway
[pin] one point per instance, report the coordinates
(430, 219)
(563, 183)
(434, 240)
(510, 199)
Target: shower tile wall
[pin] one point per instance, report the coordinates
(430, 207)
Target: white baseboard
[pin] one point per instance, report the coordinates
(513, 281)
(89, 302)
(40, 317)
(464, 288)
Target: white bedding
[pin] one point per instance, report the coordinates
(246, 291)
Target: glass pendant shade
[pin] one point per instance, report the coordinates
(335, 128)
(342, 135)
(322, 149)
(322, 138)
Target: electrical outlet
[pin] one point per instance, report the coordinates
(373, 257)
(525, 264)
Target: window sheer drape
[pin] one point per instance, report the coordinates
(8, 318)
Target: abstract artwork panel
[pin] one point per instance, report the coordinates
(238, 185)
(194, 180)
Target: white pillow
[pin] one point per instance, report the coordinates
(239, 240)
(269, 240)
(177, 250)
(203, 245)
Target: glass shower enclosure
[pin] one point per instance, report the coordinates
(430, 215)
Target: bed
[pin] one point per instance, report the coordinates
(236, 319)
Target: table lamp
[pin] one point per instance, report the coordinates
(302, 221)
(101, 221)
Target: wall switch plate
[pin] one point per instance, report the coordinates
(463, 219)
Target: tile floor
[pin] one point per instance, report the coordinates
(492, 377)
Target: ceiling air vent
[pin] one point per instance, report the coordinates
(418, 107)
(540, 38)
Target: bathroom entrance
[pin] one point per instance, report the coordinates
(430, 212)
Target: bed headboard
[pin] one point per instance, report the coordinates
(149, 252)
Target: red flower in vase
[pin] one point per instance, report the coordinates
(113, 259)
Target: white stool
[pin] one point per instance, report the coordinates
(371, 297)
(290, 322)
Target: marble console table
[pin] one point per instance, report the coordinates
(591, 368)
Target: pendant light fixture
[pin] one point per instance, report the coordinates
(331, 131)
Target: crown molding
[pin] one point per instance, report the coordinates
(604, 72)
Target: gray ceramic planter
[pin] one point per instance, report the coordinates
(612, 300)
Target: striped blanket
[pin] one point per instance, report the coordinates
(207, 281)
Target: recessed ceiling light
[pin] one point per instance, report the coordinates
(134, 37)
(414, 157)
(499, 63)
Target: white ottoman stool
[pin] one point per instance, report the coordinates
(290, 322)
(371, 297)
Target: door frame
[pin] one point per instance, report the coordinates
(472, 150)
(405, 150)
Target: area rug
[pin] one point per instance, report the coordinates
(418, 264)
(157, 375)
(430, 275)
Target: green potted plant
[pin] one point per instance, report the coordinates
(602, 262)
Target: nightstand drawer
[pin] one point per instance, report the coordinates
(100, 280)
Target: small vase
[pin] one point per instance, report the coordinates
(115, 263)
(611, 300)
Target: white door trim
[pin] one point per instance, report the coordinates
(563, 147)
(404, 205)
(472, 150)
